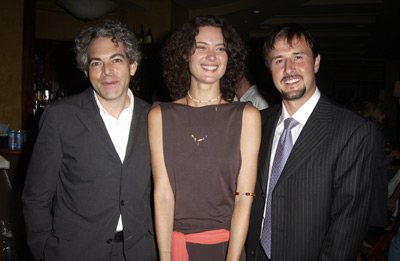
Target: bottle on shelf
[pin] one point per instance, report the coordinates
(35, 101)
(149, 36)
(46, 94)
(38, 97)
(38, 86)
(141, 34)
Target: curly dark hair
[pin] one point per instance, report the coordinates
(289, 32)
(115, 30)
(181, 45)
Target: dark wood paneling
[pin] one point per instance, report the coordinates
(28, 53)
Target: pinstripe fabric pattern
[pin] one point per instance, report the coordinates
(320, 204)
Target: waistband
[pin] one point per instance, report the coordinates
(179, 250)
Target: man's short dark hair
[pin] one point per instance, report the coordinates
(290, 32)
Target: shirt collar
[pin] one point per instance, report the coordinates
(127, 109)
(304, 112)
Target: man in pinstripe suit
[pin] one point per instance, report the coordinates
(320, 204)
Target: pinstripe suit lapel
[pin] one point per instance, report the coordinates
(313, 133)
(268, 130)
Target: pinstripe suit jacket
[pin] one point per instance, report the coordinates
(320, 205)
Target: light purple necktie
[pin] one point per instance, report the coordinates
(285, 145)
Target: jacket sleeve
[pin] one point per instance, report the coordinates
(40, 184)
(350, 206)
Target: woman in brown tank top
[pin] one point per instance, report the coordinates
(204, 147)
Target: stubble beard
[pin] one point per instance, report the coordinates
(294, 96)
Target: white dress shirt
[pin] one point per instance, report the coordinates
(301, 116)
(254, 96)
(118, 129)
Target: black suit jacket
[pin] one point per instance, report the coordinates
(76, 186)
(320, 205)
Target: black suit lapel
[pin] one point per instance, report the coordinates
(90, 117)
(138, 122)
(313, 133)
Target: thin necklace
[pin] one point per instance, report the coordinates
(200, 101)
(198, 140)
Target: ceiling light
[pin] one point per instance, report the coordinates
(88, 9)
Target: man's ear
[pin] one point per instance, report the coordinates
(133, 68)
(316, 63)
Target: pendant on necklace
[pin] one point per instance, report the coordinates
(198, 140)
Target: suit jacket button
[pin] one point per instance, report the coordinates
(122, 203)
(252, 253)
(109, 241)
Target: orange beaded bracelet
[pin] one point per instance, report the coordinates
(245, 194)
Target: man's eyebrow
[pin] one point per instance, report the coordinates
(276, 57)
(117, 54)
(296, 53)
(94, 59)
(111, 57)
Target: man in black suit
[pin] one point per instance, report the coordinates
(87, 191)
(318, 202)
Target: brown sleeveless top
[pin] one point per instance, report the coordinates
(202, 174)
